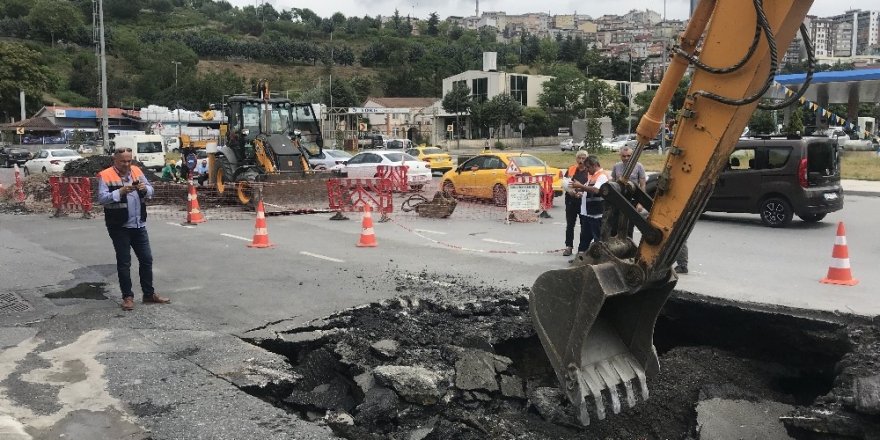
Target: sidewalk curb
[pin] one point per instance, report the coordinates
(861, 193)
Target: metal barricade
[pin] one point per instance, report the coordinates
(546, 182)
(353, 194)
(396, 174)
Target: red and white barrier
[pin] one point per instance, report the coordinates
(396, 174)
(353, 194)
(544, 180)
(18, 195)
(71, 194)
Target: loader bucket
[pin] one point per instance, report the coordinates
(291, 192)
(598, 335)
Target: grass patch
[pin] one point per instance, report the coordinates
(858, 165)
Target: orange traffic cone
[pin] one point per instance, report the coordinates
(368, 236)
(839, 271)
(194, 214)
(261, 233)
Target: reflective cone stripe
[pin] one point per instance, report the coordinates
(839, 271)
(193, 214)
(368, 235)
(261, 232)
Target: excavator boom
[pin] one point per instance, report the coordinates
(596, 320)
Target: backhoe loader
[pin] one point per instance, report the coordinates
(596, 319)
(269, 140)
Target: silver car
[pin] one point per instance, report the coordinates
(329, 159)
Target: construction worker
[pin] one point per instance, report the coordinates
(591, 203)
(575, 173)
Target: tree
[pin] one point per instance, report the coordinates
(457, 101)
(53, 19)
(796, 121)
(563, 94)
(537, 122)
(762, 122)
(593, 136)
(433, 21)
(502, 111)
(22, 69)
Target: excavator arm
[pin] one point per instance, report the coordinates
(596, 320)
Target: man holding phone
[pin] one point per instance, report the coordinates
(122, 190)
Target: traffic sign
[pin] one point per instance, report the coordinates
(362, 126)
(449, 128)
(19, 130)
(191, 160)
(512, 168)
(522, 126)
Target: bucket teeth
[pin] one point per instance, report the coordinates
(604, 381)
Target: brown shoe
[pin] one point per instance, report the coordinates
(156, 299)
(128, 303)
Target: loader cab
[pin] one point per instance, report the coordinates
(248, 117)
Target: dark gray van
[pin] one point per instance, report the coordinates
(779, 177)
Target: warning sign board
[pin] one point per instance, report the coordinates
(523, 197)
(19, 130)
(512, 168)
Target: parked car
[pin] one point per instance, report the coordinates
(365, 163)
(9, 155)
(401, 144)
(485, 176)
(328, 159)
(436, 158)
(370, 140)
(617, 142)
(50, 161)
(570, 145)
(778, 178)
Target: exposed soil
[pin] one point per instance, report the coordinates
(437, 364)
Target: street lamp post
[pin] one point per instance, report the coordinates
(629, 92)
(177, 102)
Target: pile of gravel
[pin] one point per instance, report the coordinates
(92, 165)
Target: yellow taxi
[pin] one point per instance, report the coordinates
(485, 176)
(436, 158)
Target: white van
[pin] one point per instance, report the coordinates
(148, 149)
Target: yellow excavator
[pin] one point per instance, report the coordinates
(596, 319)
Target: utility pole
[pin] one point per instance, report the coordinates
(664, 128)
(629, 93)
(105, 122)
(177, 103)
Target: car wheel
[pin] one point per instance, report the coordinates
(812, 218)
(26, 172)
(776, 212)
(449, 188)
(44, 170)
(499, 195)
(416, 187)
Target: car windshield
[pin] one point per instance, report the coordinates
(64, 153)
(432, 151)
(527, 161)
(338, 154)
(150, 147)
(399, 157)
(619, 139)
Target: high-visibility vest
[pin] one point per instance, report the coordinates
(116, 214)
(594, 201)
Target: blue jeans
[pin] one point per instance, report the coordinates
(137, 239)
(590, 230)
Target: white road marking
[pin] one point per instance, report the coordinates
(559, 223)
(180, 225)
(186, 289)
(323, 257)
(438, 283)
(491, 240)
(428, 231)
(235, 236)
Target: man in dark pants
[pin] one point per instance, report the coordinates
(576, 173)
(122, 189)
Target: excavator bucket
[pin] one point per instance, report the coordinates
(286, 193)
(598, 335)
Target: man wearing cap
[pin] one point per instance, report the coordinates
(122, 190)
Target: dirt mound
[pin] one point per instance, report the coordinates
(92, 165)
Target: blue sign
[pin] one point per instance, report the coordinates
(191, 160)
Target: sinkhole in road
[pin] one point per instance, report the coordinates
(415, 368)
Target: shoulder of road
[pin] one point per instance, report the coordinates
(861, 187)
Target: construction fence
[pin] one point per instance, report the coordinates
(389, 195)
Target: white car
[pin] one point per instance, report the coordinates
(617, 142)
(50, 161)
(364, 165)
(329, 159)
(570, 145)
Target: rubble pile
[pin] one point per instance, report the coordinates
(92, 165)
(429, 367)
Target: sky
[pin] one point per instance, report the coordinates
(675, 9)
